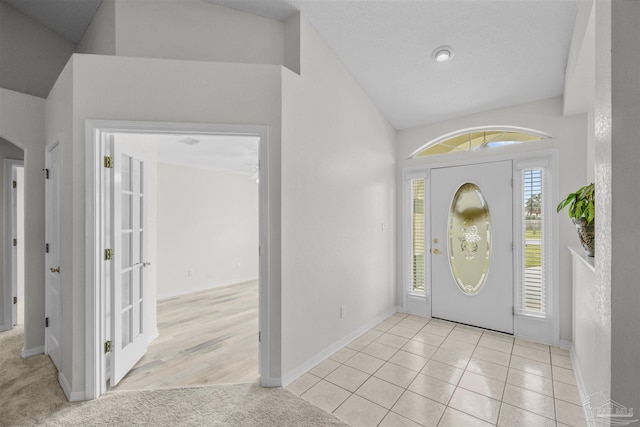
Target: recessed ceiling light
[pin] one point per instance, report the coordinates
(442, 53)
(189, 141)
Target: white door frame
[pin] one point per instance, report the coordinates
(421, 168)
(10, 260)
(96, 132)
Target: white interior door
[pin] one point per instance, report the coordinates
(128, 290)
(53, 274)
(471, 248)
(17, 242)
(19, 248)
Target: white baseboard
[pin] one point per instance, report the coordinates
(319, 357)
(155, 334)
(32, 351)
(72, 396)
(580, 381)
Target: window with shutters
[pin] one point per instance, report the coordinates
(417, 235)
(533, 283)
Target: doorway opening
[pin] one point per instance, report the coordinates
(181, 212)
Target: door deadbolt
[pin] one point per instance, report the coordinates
(436, 251)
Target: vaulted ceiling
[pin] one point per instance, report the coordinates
(506, 52)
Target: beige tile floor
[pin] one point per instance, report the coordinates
(415, 371)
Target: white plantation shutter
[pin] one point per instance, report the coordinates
(417, 235)
(533, 284)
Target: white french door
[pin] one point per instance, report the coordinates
(128, 279)
(471, 248)
(53, 294)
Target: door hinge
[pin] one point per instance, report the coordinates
(46, 173)
(15, 300)
(513, 311)
(108, 254)
(259, 336)
(46, 322)
(108, 346)
(108, 162)
(15, 242)
(46, 248)
(15, 184)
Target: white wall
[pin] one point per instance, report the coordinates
(31, 56)
(22, 119)
(207, 229)
(196, 30)
(7, 151)
(338, 191)
(570, 135)
(620, 175)
(100, 36)
(580, 74)
(138, 89)
(591, 349)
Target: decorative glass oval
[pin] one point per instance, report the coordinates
(469, 238)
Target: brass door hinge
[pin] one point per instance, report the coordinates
(108, 346)
(108, 162)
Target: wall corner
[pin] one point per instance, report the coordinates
(292, 43)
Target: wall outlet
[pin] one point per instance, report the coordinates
(343, 310)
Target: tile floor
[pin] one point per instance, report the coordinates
(414, 371)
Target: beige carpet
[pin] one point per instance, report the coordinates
(30, 395)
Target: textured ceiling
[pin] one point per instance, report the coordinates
(221, 153)
(507, 52)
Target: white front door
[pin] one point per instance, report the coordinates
(471, 248)
(128, 289)
(53, 272)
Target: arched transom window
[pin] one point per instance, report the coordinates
(479, 139)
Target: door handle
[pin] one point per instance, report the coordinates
(146, 264)
(436, 251)
(55, 270)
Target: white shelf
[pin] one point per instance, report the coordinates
(579, 253)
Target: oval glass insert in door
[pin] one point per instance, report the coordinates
(469, 238)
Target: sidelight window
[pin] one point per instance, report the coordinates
(533, 286)
(417, 235)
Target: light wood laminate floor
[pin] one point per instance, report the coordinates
(207, 337)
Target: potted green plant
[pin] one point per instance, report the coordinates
(582, 211)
